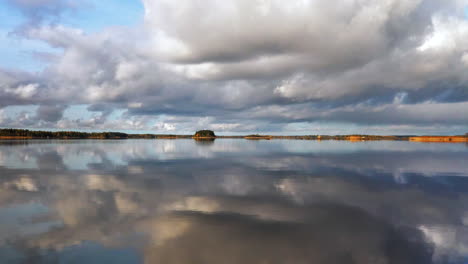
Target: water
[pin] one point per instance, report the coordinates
(233, 201)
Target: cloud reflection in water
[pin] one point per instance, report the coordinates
(233, 201)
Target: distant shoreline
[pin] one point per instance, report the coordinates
(23, 134)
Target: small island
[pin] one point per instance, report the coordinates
(258, 137)
(204, 134)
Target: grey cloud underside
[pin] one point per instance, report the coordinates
(50, 112)
(271, 61)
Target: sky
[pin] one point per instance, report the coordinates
(235, 66)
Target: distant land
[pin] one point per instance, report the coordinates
(10, 133)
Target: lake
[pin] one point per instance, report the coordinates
(233, 201)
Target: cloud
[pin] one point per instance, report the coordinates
(51, 113)
(306, 242)
(268, 63)
(39, 11)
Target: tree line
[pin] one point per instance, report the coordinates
(25, 133)
(35, 134)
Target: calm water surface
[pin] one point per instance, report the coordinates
(233, 201)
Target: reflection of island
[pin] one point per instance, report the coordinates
(8, 134)
(204, 141)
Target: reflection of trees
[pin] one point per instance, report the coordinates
(204, 141)
(14, 142)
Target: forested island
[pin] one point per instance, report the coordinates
(201, 134)
(9, 133)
